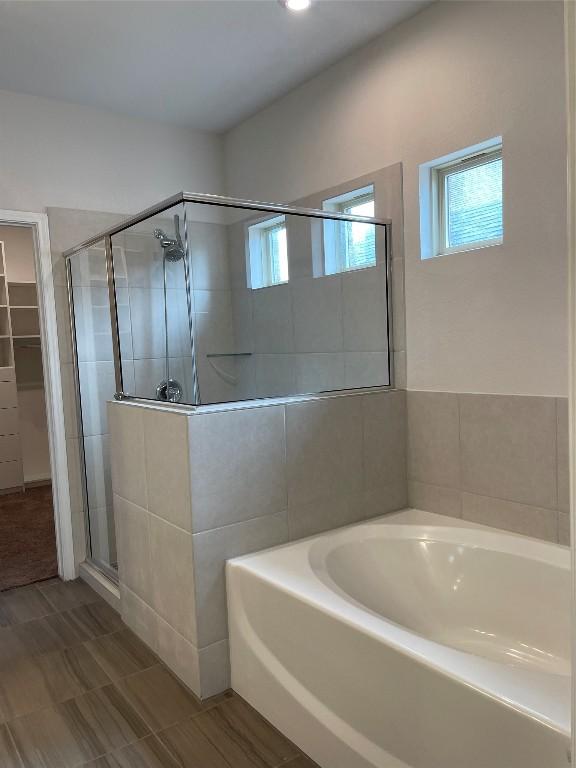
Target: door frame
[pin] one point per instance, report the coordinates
(38, 222)
(570, 54)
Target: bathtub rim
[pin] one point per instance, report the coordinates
(483, 675)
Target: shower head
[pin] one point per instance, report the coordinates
(172, 247)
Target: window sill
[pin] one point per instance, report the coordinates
(469, 247)
(270, 285)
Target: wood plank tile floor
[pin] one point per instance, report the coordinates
(79, 690)
(27, 537)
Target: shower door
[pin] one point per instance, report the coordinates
(94, 364)
(131, 323)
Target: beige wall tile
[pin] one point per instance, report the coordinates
(69, 400)
(63, 323)
(319, 372)
(249, 445)
(508, 448)
(139, 616)
(324, 449)
(180, 655)
(433, 438)
(79, 535)
(274, 375)
(147, 323)
(98, 475)
(75, 480)
(519, 518)
(97, 385)
(365, 369)
(398, 313)
(324, 515)
(133, 545)
(172, 576)
(317, 307)
(384, 449)
(211, 550)
(386, 499)
(168, 466)
(399, 369)
(210, 266)
(273, 323)
(563, 454)
(434, 498)
(127, 451)
(214, 669)
(365, 316)
(564, 529)
(302, 235)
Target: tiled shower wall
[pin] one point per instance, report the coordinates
(388, 198)
(320, 333)
(140, 295)
(292, 470)
(499, 460)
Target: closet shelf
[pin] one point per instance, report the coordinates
(26, 385)
(24, 336)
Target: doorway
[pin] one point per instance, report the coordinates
(35, 520)
(27, 532)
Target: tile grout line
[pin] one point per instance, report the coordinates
(65, 647)
(54, 704)
(132, 707)
(111, 682)
(154, 731)
(460, 483)
(556, 465)
(13, 741)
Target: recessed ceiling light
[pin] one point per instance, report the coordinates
(296, 5)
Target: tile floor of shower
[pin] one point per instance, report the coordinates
(77, 688)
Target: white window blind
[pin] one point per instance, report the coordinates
(275, 254)
(350, 245)
(268, 253)
(357, 239)
(471, 202)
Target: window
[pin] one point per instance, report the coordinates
(461, 200)
(350, 245)
(470, 203)
(268, 252)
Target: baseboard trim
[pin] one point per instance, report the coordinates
(101, 584)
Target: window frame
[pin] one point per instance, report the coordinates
(258, 251)
(440, 174)
(332, 241)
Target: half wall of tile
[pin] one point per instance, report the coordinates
(292, 470)
(499, 460)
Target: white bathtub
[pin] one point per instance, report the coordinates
(411, 640)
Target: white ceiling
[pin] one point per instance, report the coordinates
(207, 64)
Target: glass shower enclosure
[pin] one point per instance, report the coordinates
(203, 300)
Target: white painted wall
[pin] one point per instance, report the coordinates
(493, 320)
(63, 155)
